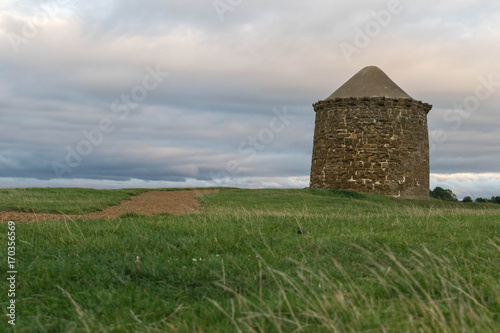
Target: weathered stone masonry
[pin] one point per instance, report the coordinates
(372, 144)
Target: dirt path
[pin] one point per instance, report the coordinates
(149, 203)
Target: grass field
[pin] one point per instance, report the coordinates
(61, 200)
(362, 263)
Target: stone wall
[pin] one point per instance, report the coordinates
(377, 145)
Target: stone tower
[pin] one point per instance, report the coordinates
(371, 136)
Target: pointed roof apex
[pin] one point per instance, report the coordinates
(371, 81)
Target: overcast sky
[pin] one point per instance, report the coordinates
(160, 93)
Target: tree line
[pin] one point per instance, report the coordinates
(448, 195)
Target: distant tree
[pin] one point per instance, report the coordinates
(467, 199)
(495, 199)
(481, 200)
(443, 194)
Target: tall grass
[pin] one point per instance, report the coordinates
(422, 293)
(361, 264)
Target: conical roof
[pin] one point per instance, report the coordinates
(371, 81)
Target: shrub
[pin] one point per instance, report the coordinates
(443, 194)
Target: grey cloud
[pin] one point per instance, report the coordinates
(226, 77)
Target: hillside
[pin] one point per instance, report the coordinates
(260, 261)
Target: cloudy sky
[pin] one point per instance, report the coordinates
(122, 93)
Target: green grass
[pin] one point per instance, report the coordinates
(68, 200)
(62, 200)
(365, 264)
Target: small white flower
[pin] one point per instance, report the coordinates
(138, 260)
(194, 259)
